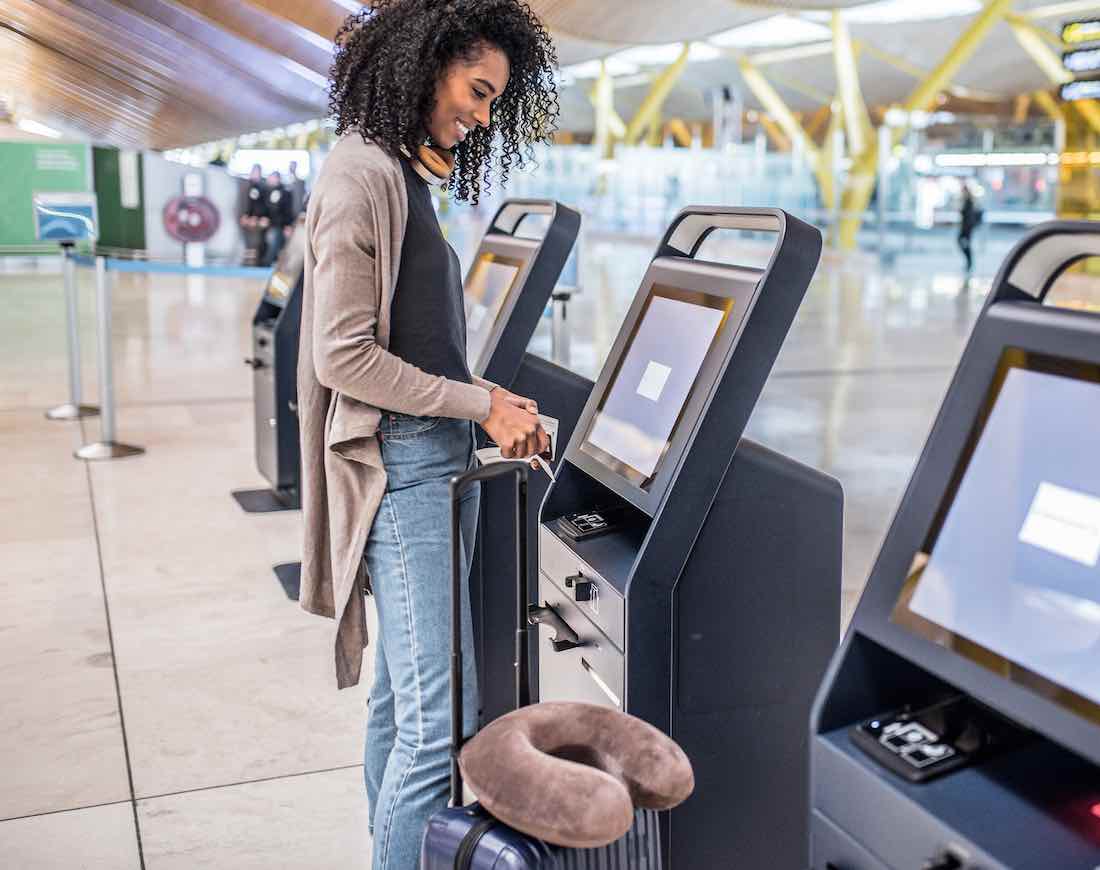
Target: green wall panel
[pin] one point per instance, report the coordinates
(32, 167)
(119, 227)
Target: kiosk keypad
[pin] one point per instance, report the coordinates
(589, 524)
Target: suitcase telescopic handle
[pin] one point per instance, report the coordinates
(459, 484)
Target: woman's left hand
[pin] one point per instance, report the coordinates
(529, 405)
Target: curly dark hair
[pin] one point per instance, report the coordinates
(391, 54)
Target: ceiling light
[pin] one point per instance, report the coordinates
(29, 126)
(777, 31)
(898, 11)
(590, 69)
(663, 55)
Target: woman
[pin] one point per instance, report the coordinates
(427, 92)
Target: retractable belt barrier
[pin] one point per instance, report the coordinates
(108, 447)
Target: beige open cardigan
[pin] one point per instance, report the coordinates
(354, 227)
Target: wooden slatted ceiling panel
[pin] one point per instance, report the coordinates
(141, 83)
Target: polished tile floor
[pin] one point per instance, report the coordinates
(164, 705)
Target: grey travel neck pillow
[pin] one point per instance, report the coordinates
(572, 774)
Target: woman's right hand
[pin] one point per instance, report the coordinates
(516, 430)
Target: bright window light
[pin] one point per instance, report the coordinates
(775, 32)
(590, 69)
(270, 160)
(897, 11)
(1030, 158)
(29, 126)
(663, 55)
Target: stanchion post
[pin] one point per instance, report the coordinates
(559, 328)
(106, 447)
(73, 409)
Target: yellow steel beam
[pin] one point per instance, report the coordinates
(861, 175)
(650, 108)
(1022, 107)
(603, 100)
(818, 118)
(1044, 57)
(1023, 21)
(919, 72)
(924, 95)
(614, 120)
(655, 131)
(1051, 106)
(680, 132)
(857, 123)
(799, 52)
(800, 88)
(777, 136)
(773, 105)
(1051, 64)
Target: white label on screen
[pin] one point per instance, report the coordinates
(653, 381)
(1064, 522)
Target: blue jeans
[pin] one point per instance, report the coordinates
(407, 755)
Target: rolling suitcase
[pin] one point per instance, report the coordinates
(467, 837)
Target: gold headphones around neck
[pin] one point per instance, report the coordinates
(431, 163)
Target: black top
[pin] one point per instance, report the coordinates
(427, 318)
(280, 206)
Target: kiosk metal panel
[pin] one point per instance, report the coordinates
(491, 290)
(1009, 576)
(671, 350)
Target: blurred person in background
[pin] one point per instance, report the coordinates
(423, 93)
(970, 216)
(254, 218)
(279, 205)
(297, 187)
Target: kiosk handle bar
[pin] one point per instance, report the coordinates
(459, 484)
(690, 228)
(512, 212)
(1036, 261)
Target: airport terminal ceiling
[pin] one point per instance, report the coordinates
(171, 73)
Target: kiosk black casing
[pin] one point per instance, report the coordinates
(274, 363)
(715, 605)
(545, 258)
(1033, 804)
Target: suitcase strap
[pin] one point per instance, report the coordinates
(464, 856)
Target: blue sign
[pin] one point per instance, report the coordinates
(65, 217)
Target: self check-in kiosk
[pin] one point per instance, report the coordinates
(687, 575)
(274, 364)
(958, 726)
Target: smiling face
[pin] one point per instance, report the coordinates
(465, 93)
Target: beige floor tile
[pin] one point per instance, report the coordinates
(223, 678)
(100, 838)
(316, 822)
(62, 744)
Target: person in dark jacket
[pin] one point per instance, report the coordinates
(279, 206)
(969, 218)
(254, 218)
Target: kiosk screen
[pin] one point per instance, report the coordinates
(486, 290)
(288, 268)
(1010, 574)
(645, 398)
